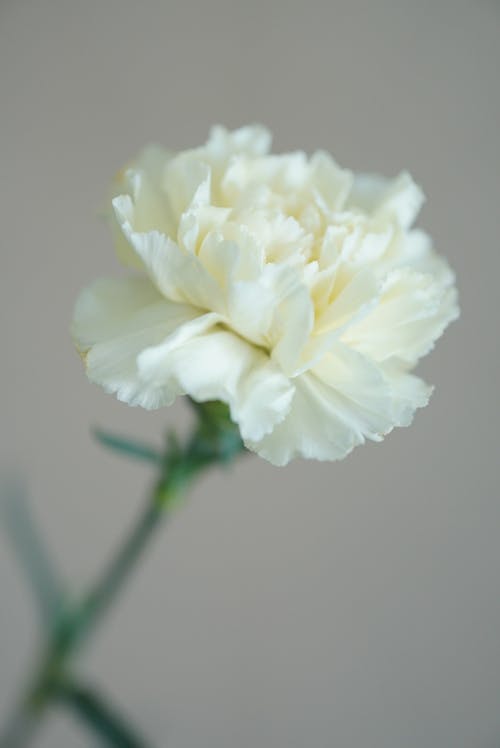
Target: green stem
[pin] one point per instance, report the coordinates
(50, 679)
(215, 439)
(106, 590)
(111, 728)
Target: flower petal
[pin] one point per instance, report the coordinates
(409, 393)
(357, 294)
(115, 320)
(344, 400)
(400, 197)
(139, 199)
(221, 366)
(102, 307)
(332, 183)
(413, 311)
(253, 140)
(179, 275)
(187, 183)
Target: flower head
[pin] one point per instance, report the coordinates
(284, 286)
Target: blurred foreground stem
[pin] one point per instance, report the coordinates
(215, 439)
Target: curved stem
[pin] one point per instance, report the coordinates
(215, 439)
(49, 680)
(109, 726)
(108, 587)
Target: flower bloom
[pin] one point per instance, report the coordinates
(284, 286)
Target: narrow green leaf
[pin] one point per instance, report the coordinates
(128, 447)
(110, 726)
(30, 550)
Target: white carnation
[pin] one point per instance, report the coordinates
(285, 286)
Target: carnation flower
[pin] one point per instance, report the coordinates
(289, 288)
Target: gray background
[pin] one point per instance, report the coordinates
(350, 604)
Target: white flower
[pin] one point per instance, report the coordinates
(285, 286)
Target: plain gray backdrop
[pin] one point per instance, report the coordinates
(344, 605)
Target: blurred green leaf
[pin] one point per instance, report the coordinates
(30, 549)
(128, 447)
(103, 719)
